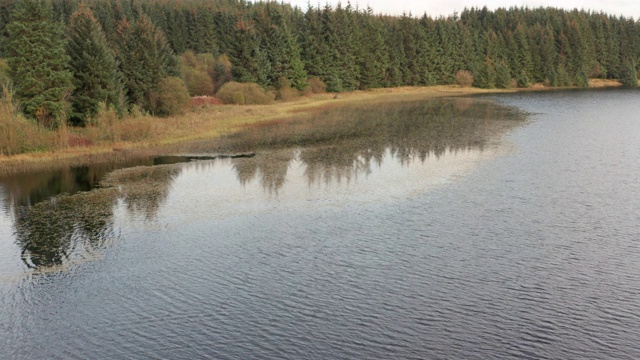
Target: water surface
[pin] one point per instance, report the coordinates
(443, 229)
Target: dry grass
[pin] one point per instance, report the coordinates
(601, 83)
(139, 134)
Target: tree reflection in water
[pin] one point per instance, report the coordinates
(70, 229)
(65, 229)
(335, 144)
(342, 143)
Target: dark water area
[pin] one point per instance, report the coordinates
(27, 189)
(441, 229)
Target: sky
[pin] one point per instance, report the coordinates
(435, 8)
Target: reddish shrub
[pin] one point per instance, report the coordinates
(464, 78)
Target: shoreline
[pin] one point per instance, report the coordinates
(212, 122)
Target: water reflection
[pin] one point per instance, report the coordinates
(28, 189)
(336, 144)
(68, 229)
(71, 229)
(143, 189)
(271, 168)
(349, 141)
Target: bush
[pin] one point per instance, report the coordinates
(169, 97)
(221, 72)
(102, 126)
(285, 91)
(17, 134)
(198, 82)
(317, 86)
(4, 72)
(464, 78)
(252, 94)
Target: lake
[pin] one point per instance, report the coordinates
(503, 226)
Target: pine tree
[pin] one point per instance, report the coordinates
(503, 75)
(375, 59)
(428, 51)
(95, 71)
(397, 58)
(314, 48)
(38, 62)
(145, 58)
(629, 74)
(484, 74)
(522, 57)
(281, 48)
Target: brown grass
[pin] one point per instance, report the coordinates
(140, 134)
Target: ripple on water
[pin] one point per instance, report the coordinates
(476, 252)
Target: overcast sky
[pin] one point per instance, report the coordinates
(628, 8)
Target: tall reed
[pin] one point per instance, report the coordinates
(17, 134)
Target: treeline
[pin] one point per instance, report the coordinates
(67, 57)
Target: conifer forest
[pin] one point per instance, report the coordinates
(65, 59)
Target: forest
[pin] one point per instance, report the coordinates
(67, 60)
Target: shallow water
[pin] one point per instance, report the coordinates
(469, 234)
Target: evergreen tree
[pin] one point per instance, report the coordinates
(484, 74)
(374, 60)
(38, 62)
(281, 48)
(522, 59)
(145, 58)
(503, 75)
(629, 75)
(317, 55)
(395, 71)
(428, 51)
(94, 68)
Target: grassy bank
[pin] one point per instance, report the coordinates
(138, 135)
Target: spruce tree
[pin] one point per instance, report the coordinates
(522, 57)
(95, 71)
(145, 58)
(374, 60)
(503, 75)
(281, 48)
(38, 61)
(629, 75)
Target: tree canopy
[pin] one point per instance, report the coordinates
(269, 43)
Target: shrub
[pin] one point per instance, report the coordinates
(102, 126)
(198, 82)
(221, 72)
(169, 97)
(317, 86)
(17, 134)
(137, 128)
(4, 72)
(464, 78)
(285, 91)
(252, 94)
